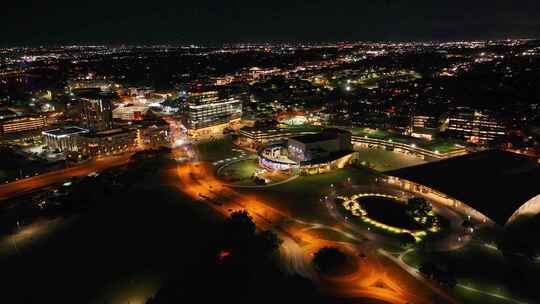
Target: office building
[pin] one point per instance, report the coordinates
(423, 126)
(107, 142)
(153, 134)
(96, 112)
(22, 124)
(63, 139)
(205, 114)
(475, 126)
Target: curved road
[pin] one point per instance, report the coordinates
(377, 278)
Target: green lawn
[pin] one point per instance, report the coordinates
(303, 128)
(481, 268)
(214, 150)
(413, 259)
(470, 296)
(301, 197)
(384, 160)
(371, 83)
(372, 133)
(238, 171)
(441, 145)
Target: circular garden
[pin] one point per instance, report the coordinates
(391, 214)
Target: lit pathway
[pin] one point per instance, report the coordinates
(414, 272)
(495, 295)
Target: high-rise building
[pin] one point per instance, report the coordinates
(96, 112)
(206, 114)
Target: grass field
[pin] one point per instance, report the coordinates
(383, 160)
(440, 145)
(483, 274)
(301, 197)
(214, 150)
(443, 146)
(303, 128)
(118, 252)
(238, 171)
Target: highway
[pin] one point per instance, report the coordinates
(26, 185)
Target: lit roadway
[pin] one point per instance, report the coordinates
(25, 185)
(376, 277)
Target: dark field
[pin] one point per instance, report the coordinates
(120, 251)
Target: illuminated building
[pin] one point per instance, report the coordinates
(205, 114)
(22, 124)
(107, 142)
(91, 82)
(320, 145)
(153, 134)
(225, 80)
(475, 126)
(64, 139)
(130, 113)
(257, 73)
(257, 136)
(311, 153)
(423, 126)
(96, 112)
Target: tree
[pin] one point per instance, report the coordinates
(329, 260)
(427, 269)
(419, 205)
(406, 239)
(267, 242)
(239, 228)
(467, 224)
(438, 273)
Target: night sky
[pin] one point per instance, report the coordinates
(209, 22)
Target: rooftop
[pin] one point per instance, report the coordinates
(105, 133)
(7, 113)
(440, 145)
(65, 131)
(312, 138)
(495, 183)
(326, 134)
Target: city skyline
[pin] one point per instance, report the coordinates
(150, 155)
